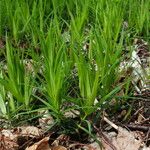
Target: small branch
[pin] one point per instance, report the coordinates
(111, 123)
(138, 127)
(105, 138)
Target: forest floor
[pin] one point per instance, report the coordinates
(126, 129)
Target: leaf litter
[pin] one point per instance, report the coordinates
(123, 139)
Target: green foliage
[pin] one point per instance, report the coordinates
(17, 81)
(97, 33)
(3, 109)
(55, 67)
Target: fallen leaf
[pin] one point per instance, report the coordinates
(46, 120)
(126, 140)
(41, 145)
(7, 144)
(30, 131)
(59, 148)
(60, 140)
(8, 133)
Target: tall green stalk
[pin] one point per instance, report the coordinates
(55, 68)
(18, 80)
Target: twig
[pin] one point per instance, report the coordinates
(105, 138)
(111, 123)
(145, 120)
(147, 136)
(134, 115)
(138, 127)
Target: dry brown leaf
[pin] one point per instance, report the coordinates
(46, 120)
(126, 140)
(41, 145)
(140, 118)
(8, 133)
(59, 148)
(7, 144)
(93, 146)
(61, 139)
(30, 131)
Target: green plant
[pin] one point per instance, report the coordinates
(55, 68)
(3, 109)
(18, 80)
(138, 16)
(98, 32)
(97, 65)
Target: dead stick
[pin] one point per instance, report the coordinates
(105, 138)
(138, 127)
(111, 123)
